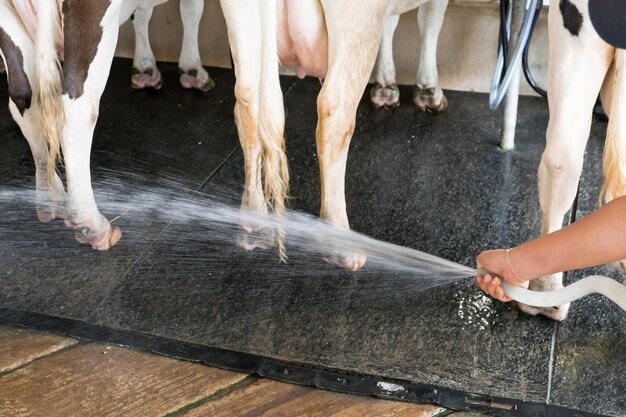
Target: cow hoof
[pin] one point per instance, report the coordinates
(558, 313)
(352, 262)
(50, 201)
(547, 283)
(430, 99)
(104, 242)
(46, 215)
(387, 96)
(250, 238)
(98, 233)
(197, 80)
(49, 210)
(146, 78)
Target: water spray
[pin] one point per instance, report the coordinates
(595, 284)
(210, 217)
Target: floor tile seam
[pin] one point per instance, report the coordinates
(552, 363)
(216, 395)
(166, 227)
(216, 170)
(46, 356)
(555, 333)
(294, 82)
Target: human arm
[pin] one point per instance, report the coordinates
(596, 239)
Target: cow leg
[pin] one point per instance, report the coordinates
(145, 71)
(50, 202)
(385, 91)
(17, 52)
(427, 94)
(572, 92)
(354, 28)
(192, 74)
(244, 31)
(91, 30)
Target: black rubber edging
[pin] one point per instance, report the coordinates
(287, 372)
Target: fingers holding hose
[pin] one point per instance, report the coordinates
(496, 265)
(492, 286)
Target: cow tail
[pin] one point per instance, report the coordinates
(614, 165)
(272, 122)
(48, 82)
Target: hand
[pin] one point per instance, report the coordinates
(495, 261)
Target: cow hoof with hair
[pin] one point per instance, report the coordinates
(197, 79)
(547, 283)
(49, 209)
(146, 78)
(429, 98)
(50, 202)
(50, 206)
(102, 236)
(251, 237)
(387, 96)
(352, 262)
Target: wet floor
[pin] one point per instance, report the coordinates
(436, 183)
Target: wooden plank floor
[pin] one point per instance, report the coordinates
(48, 376)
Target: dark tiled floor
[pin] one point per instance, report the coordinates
(438, 184)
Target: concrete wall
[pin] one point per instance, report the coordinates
(467, 44)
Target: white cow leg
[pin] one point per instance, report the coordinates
(50, 201)
(385, 91)
(253, 200)
(572, 92)
(145, 72)
(338, 100)
(428, 95)
(18, 59)
(81, 99)
(193, 75)
(243, 23)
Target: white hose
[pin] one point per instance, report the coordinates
(595, 284)
(598, 284)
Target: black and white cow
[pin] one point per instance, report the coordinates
(56, 105)
(580, 66)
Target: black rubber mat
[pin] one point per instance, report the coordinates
(436, 183)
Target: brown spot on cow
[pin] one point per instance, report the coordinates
(83, 32)
(20, 91)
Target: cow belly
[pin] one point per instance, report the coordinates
(302, 37)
